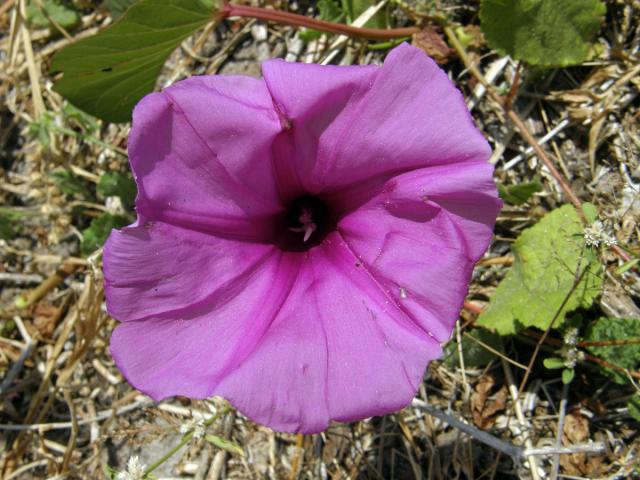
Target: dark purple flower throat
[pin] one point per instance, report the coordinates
(307, 222)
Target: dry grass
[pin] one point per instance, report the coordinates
(65, 409)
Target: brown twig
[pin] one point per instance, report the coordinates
(612, 366)
(526, 134)
(494, 351)
(508, 101)
(536, 350)
(473, 308)
(296, 463)
(504, 260)
(557, 343)
(33, 69)
(4, 8)
(49, 284)
(74, 431)
(610, 343)
(513, 116)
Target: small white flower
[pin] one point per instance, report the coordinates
(571, 337)
(572, 357)
(570, 350)
(195, 425)
(135, 470)
(595, 234)
(114, 205)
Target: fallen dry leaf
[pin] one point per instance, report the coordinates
(485, 405)
(45, 319)
(432, 42)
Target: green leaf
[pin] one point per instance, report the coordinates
(6, 227)
(64, 16)
(475, 355)
(329, 10)
(542, 32)
(590, 212)
(355, 8)
(95, 236)
(109, 472)
(7, 326)
(107, 74)
(114, 184)
(9, 222)
(520, 193)
(68, 183)
(42, 129)
(625, 356)
(117, 8)
(547, 258)
(626, 266)
(87, 122)
(553, 363)
(567, 375)
(224, 444)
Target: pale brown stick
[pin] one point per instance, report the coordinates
(513, 116)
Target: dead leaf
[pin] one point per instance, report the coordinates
(484, 405)
(45, 319)
(576, 430)
(431, 41)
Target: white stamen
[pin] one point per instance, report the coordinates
(308, 227)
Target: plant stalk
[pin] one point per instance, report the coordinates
(287, 18)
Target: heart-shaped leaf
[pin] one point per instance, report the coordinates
(107, 74)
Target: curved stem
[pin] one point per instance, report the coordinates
(286, 18)
(185, 439)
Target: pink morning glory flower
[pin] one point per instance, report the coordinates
(304, 241)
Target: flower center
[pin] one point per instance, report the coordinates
(306, 224)
(308, 227)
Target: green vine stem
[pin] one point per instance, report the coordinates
(185, 439)
(286, 18)
(169, 454)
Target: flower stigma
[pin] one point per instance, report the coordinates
(308, 227)
(306, 224)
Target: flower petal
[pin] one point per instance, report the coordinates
(309, 98)
(422, 236)
(201, 154)
(189, 352)
(338, 349)
(161, 269)
(405, 115)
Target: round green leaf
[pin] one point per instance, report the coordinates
(553, 363)
(567, 375)
(542, 32)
